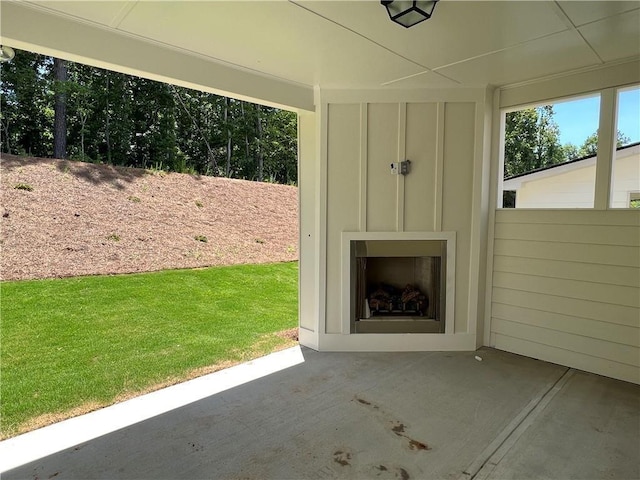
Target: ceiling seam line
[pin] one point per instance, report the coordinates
(123, 14)
(567, 19)
(390, 82)
(619, 14)
(590, 47)
(574, 71)
(361, 36)
(511, 47)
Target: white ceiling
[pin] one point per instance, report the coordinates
(353, 44)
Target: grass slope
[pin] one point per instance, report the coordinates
(72, 345)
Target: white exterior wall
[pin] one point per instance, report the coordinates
(566, 288)
(359, 135)
(571, 189)
(308, 235)
(565, 284)
(626, 179)
(573, 185)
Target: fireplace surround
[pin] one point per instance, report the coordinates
(398, 282)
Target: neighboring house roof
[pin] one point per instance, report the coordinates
(514, 182)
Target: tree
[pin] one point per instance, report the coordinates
(590, 146)
(570, 151)
(82, 105)
(260, 152)
(26, 105)
(531, 140)
(131, 121)
(280, 145)
(60, 109)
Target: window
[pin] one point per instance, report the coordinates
(550, 154)
(625, 173)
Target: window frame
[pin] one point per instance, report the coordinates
(618, 91)
(501, 148)
(606, 150)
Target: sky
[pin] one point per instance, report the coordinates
(578, 119)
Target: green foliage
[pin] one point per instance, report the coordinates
(590, 146)
(26, 105)
(130, 121)
(199, 204)
(531, 140)
(134, 199)
(114, 237)
(69, 342)
(23, 186)
(201, 238)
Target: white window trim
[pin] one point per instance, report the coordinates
(607, 136)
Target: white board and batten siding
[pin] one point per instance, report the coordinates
(566, 288)
(364, 133)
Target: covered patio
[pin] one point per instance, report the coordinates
(524, 286)
(305, 414)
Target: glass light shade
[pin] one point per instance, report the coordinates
(6, 54)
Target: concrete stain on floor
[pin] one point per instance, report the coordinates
(398, 428)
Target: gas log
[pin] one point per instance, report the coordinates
(389, 300)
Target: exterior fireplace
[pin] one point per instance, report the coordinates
(400, 285)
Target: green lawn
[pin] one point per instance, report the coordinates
(77, 343)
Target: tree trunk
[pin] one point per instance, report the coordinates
(60, 110)
(108, 115)
(246, 135)
(5, 127)
(212, 159)
(259, 146)
(83, 121)
(226, 121)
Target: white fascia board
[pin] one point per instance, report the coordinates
(29, 28)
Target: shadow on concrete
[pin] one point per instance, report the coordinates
(377, 415)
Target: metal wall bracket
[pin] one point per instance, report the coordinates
(400, 168)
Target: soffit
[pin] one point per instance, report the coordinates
(609, 46)
(276, 38)
(583, 12)
(353, 44)
(553, 54)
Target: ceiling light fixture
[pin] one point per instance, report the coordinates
(6, 54)
(409, 12)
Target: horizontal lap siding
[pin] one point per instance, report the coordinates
(566, 288)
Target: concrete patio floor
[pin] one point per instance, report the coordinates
(444, 415)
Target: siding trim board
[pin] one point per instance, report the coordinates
(550, 232)
(587, 254)
(570, 217)
(596, 329)
(580, 361)
(588, 309)
(619, 353)
(558, 287)
(626, 276)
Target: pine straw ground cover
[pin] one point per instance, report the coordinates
(62, 218)
(71, 345)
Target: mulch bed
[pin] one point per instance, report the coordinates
(63, 218)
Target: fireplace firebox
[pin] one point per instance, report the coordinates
(399, 286)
